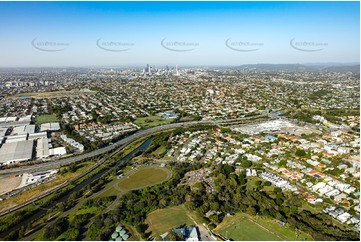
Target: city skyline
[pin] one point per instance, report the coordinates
(65, 34)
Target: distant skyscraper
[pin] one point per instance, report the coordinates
(176, 70)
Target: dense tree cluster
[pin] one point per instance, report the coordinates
(232, 195)
(332, 115)
(138, 204)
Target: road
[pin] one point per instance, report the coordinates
(126, 140)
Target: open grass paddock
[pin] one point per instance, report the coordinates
(162, 220)
(143, 177)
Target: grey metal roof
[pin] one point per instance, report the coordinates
(16, 151)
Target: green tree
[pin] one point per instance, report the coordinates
(282, 163)
(242, 178)
(251, 211)
(258, 184)
(227, 169)
(175, 236)
(300, 153)
(246, 163)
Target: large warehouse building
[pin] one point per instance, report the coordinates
(15, 152)
(42, 148)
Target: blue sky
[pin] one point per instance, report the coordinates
(194, 33)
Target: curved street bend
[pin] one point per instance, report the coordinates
(126, 140)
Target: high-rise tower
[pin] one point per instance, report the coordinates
(176, 70)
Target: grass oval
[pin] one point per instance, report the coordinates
(145, 177)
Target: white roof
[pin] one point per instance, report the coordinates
(58, 151)
(11, 119)
(42, 148)
(50, 126)
(3, 131)
(16, 151)
(193, 235)
(26, 118)
(37, 136)
(15, 138)
(25, 129)
(8, 119)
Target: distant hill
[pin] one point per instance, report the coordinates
(354, 68)
(276, 67)
(299, 68)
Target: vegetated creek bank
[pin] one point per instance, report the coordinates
(39, 214)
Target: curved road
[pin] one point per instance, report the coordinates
(126, 140)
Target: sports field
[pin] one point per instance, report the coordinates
(162, 220)
(42, 119)
(143, 177)
(244, 227)
(151, 121)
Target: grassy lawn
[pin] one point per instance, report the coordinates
(168, 158)
(40, 236)
(161, 150)
(251, 182)
(79, 211)
(138, 178)
(151, 121)
(244, 227)
(144, 177)
(109, 192)
(162, 220)
(42, 119)
(313, 208)
(239, 227)
(283, 231)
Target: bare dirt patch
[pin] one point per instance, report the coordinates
(9, 183)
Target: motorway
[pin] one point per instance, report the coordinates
(124, 141)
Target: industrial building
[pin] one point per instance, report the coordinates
(16, 138)
(7, 122)
(7, 119)
(25, 118)
(25, 129)
(42, 148)
(42, 135)
(15, 152)
(50, 127)
(59, 151)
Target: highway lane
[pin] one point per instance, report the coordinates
(124, 141)
(114, 147)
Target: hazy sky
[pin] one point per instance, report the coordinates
(193, 33)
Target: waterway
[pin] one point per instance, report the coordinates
(39, 214)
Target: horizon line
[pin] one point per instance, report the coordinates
(187, 65)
